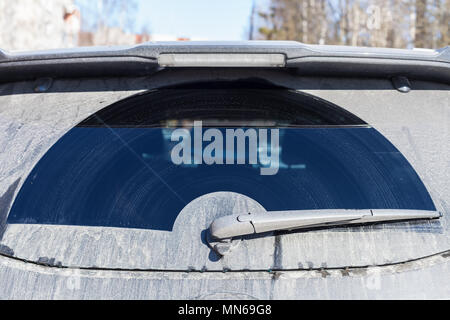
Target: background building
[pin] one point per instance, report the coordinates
(36, 24)
(47, 24)
(27, 25)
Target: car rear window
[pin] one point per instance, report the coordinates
(139, 162)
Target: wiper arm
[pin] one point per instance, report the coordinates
(260, 222)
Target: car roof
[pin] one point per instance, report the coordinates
(144, 59)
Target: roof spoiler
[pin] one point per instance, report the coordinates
(308, 60)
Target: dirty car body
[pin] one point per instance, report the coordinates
(92, 206)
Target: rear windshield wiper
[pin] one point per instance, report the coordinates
(259, 222)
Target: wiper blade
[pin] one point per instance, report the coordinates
(259, 222)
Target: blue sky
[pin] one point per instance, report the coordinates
(196, 19)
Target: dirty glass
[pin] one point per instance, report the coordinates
(138, 163)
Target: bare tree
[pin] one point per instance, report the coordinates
(384, 23)
(109, 22)
(441, 26)
(251, 28)
(420, 39)
(302, 20)
(98, 14)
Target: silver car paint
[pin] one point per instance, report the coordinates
(321, 262)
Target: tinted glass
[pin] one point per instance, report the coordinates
(117, 167)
